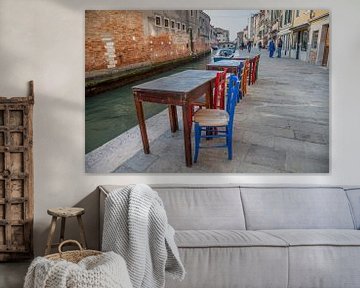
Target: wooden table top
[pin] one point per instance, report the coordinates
(244, 57)
(201, 74)
(182, 82)
(226, 63)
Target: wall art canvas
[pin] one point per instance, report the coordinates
(207, 91)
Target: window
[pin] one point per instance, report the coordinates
(304, 40)
(178, 25)
(183, 27)
(191, 13)
(287, 18)
(172, 24)
(314, 39)
(158, 21)
(166, 23)
(297, 13)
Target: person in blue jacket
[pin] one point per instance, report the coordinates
(271, 48)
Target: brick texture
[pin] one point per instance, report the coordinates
(116, 39)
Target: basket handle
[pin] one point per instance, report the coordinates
(69, 241)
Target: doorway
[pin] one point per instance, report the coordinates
(298, 45)
(325, 58)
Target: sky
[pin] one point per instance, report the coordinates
(233, 20)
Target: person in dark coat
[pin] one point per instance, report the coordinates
(249, 46)
(271, 48)
(279, 47)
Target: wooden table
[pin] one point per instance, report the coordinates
(180, 89)
(231, 65)
(250, 58)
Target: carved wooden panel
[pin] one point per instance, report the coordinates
(16, 177)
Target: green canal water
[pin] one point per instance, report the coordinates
(111, 113)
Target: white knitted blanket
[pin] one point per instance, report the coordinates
(136, 227)
(104, 271)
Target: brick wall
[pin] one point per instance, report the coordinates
(115, 40)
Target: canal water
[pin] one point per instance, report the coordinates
(111, 113)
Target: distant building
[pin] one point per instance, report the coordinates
(246, 34)
(239, 38)
(230, 45)
(300, 34)
(213, 36)
(319, 40)
(222, 35)
(304, 33)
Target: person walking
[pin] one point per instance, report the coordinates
(271, 48)
(259, 46)
(279, 47)
(249, 46)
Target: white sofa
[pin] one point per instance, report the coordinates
(264, 237)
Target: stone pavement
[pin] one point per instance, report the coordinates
(281, 126)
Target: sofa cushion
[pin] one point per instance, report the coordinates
(296, 208)
(328, 258)
(203, 208)
(324, 266)
(226, 238)
(315, 237)
(225, 267)
(354, 198)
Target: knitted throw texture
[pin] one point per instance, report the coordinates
(103, 271)
(136, 227)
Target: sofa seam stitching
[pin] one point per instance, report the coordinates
(243, 208)
(351, 210)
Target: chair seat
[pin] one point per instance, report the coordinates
(211, 117)
(66, 211)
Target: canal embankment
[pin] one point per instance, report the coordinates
(105, 80)
(112, 112)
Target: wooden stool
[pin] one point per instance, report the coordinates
(64, 213)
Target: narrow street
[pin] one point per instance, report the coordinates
(282, 125)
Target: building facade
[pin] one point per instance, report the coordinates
(239, 38)
(300, 34)
(319, 40)
(222, 35)
(119, 40)
(304, 33)
(213, 36)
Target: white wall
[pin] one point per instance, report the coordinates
(43, 40)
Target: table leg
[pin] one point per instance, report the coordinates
(210, 102)
(186, 109)
(173, 118)
(141, 120)
(210, 94)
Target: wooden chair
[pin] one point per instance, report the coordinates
(257, 67)
(240, 77)
(219, 90)
(218, 94)
(244, 79)
(217, 120)
(254, 71)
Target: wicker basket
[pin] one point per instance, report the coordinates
(72, 256)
